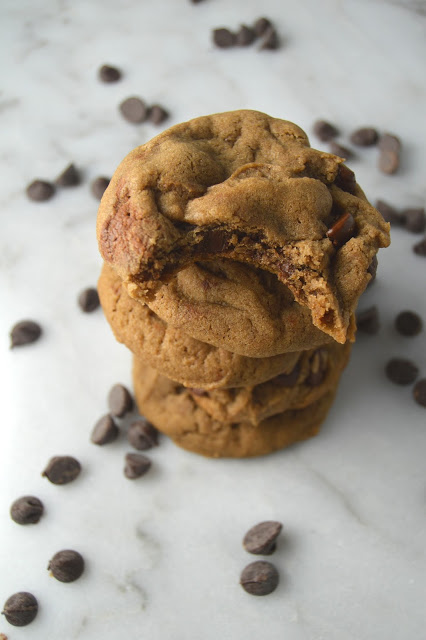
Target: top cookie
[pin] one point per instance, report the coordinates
(244, 186)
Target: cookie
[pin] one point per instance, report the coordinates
(244, 186)
(316, 372)
(171, 408)
(172, 352)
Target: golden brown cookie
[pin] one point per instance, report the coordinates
(244, 186)
(172, 352)
(171, 408)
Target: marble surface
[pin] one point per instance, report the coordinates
(164, 553)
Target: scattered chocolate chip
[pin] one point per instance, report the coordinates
(66, 565)
(104, 431)
(224, 38)
(26, 510)
(364, 137)
(419, 392)
(98, 186)
(20, 609)
(389, 142)
(372, 270)
(401, 371)
(69, 177)
(134, 110)
(414, 220)
(157, 114)
(318, 368)
(109, 74)
(420, 248)
(324, 130)
(338, 150)
(345, 179)
(368, 321)
(120, 401)
(136, 465)
(259, 578)
(389, 213)
(142, 435)
(40, 190)
(62, 469)
(261, 26)
(261, 538)
(408, 323)
(24, 332)
(342, 230)
(288, 379)
(245, 36)
(88, 300)
(388, 162)
(270, 41)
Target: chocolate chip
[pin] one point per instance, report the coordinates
(414, 220)
(261, 538)
(342, 230)
(389, 142)
(288, 379)
(420, 248)
(389, 213)
(419, 392)
(134, 110)
(88, 300)
(104, 431)
(368, 321)
(120, 401)
(345, 179)
(259, 578)
(401, 371)
(109, 74)
(98, 186)
(40, 190)
(245, 36)
(324, 130)
(142, 435)
(271, 40)
(408, 323)
(338, 150)
(20, 609)
(388, 162)
(224, 38)
(62, 469)
(69, 177)
(66, 565)
(26, 510)
(157, 114)
(364, 137)
(318, 368)
(136, 465)
(372, 269)
(24, 332)
(261, 26)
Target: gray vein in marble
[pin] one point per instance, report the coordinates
(150, 546)
(9, 104)
(416, 6)
(81, 627)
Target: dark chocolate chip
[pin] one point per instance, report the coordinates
(261, 26)
(288, 379)
(98, 186)
(364, 137)
(142, 435)
(120, 401)
(388, 162)
(420, 248)
(342, 230)
(69, 177)
(245, 36)
(88, 300)
(62, 469)
(338, 150)
(66, 565)
(372, 270)
(109, 74)
(259, 578)
(318, 368)
(401, 371)
(134, 110)
(389, 213)
(157, 114)
(136, 465)
(270, 40)
(26, 510)
(24, 332)
(389, 142)
(408, 323)
(224, 38)
(324, 130)
(345, 179)
(20, 609)
(104, 431)
(261, 538)
(414, 220)
(419, 392)
(40, 190)
(368, 321)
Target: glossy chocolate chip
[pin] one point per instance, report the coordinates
(324, 130)
(20, 609)
(109, 74)
(24, 332)
(142, 435)
(104, 431)
(66, 565)
(26, 510)
(62, 470)
(224, 38)
(40, 190)
(259, 578)
(88, 300)
(345, 179)
(342, 230)
(245, 36)
(270, 40)
(261, 539)
(157, 114)
(136, 465)
(120, 400)
(365, 137)
(261, 26)
(69, 177)
(134, 110)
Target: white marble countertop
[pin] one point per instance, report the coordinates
(163, 553)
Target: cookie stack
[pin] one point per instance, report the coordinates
(235, 256)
